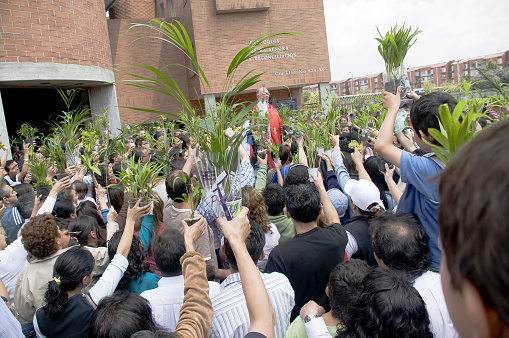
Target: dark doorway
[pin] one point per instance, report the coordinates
(38, 106)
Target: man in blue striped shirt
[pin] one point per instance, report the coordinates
(231, 316)
(12, 220)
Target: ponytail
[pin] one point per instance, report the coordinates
(68, 272)
(56, 300)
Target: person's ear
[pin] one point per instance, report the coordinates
(93, 234)
(425, 137)
(327, 291)
(288, 215)
(484, 320)
(262, 255)
(222, 254)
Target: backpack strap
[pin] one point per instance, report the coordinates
(434, 158)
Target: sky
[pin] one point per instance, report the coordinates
(451, 30)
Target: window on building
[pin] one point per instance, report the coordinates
(334, 87)
(356, 83)
(499, 61)
(465, 66)
(451, 76)
(474, 72)
(444, 76)
(443, 70)
(416, 73)
(343, 85)
(465, 73)
(451, 68)
(376, 80)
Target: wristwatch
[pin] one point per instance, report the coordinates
(308, 318)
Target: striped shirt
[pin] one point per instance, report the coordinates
(12, 222)
(231, 317)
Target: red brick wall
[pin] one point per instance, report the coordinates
(153, 52)
(218, 37)
(133, 9)
(58, 31)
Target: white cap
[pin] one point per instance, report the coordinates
(363, 193)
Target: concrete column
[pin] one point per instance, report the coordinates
(105, 97)
(325, 95)
(4, 135)
(210, 104)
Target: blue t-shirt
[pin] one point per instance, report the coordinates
(422, 197)
(146, 281)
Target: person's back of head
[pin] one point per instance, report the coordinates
(284, 153)
(401, 243)
(255, 242)
(176, 187)
(84, 229)
(136, 258)
(303, 202)
(167, 248)
(70, 268)
(345, 284)
(275, 198)
(121, 315)
(40, 236)
(139, 142)
(138, 154)
(116, 198)
(375, 166)
(388, 306)
(26, 205)
(297, 174)
(64, 208)
(23, 188)
(80, 189)
(473, 229)
(424, 112)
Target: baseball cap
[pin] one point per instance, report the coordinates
(364, 193)
(339, 200)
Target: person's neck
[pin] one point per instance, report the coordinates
(301, 228)
(330, 320)
(74, 292)
(181, 205)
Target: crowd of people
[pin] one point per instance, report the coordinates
(388, 242)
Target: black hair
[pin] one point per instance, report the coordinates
(388, 306)
(294, 148)
(175, 186)
(111, 158)
(419, 152)
(156, 334)
(23, 188)
(138, 142)
(116, 198)
(62, 223)
(401, 243)
(81, 189)
(26, 205)
(284, 153)
(88, 208)
(136, 259)
(69, 270)
(121, 315)
(255, 242)
(138, 154)
(345, 284)
(275, 197)
(424, 112)
(7, 165)
(64, 208)
(375, 166)
(81, 227)
(297, 174)
(303, 202)
(167, 248)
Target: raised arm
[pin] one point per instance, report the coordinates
(124, 245)
(261, 314)
(357, 159)
(383, 144)
(261, 175)
(49, 203)
(328, 208)
(190, 160)
(3, 159)
(303, 159)
(196, 313)
(393, 187)
(339, 166)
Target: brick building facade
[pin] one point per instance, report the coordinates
(87, 44)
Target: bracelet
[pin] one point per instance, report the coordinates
(308, 318)
(4, 299)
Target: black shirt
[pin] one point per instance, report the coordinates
(307, 261)
(358, 226)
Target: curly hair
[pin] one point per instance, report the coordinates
(253, 199)
(39, 234)
(136, 259)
